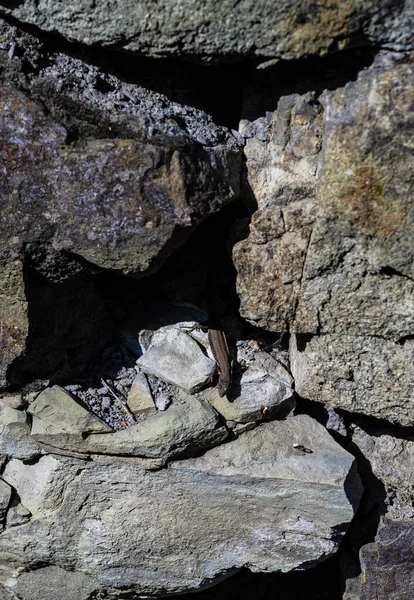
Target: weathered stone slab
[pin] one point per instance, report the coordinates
(217, 29)
(56, 411)
(49, 583)
(15, 438)
(388, 563)
(140, 399)
(259, 501)
(5, 495)
(266, 390)
(360, 374)
(188, 425)
(330, 249)
(175, 357)
(392, 462)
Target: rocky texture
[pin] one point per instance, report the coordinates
(97, 174)
(5, 495)
(140, 399)
(114, 202)
(257, 501)
(283, 154)
(222, 30)
(175, 357)
(363, 374)
(388, 563)
(56, 411)
(13, 308)
(15, 439)
(330, 252)
(48, 583)
(265, 390)
(188, 425)
(392, 462)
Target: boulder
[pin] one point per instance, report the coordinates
(188, 425)
(278, 498)
(175, 357)
(217, 30)
(388, 563)
(56, 411)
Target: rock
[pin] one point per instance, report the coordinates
(329, 251)
(5, 495)
(187, 166)
(256, 502)
(56, 411)
(13, 400)
(319, 257)
(388, 563)
(392, 462)
(13, 310)
(140, 399)
(175, 357)
(53, 582)
(15, 438)
(360, 374)
(17, 514)
(360, 255)
(282, 174)
(218, 30)
(265, 391)
(188, 425)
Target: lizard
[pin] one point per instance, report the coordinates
(220, 350)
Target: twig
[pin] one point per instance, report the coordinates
(121, 401)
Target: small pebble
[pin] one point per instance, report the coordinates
(106, 402)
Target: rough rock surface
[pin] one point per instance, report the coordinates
(56, 411)
(257, 501)
(15, 438)
(388, 563)
(358, 373)
(189, 424)
(5, 495)
(330, 251)
(175, 357)
(142, 172)
(265, 390)
(222, 29)
(392, 462)
(140, 399)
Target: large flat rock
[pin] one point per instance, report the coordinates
(261, 502)
(220, 29)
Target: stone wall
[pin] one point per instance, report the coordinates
(174, 167)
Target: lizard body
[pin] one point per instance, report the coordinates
(220, 350)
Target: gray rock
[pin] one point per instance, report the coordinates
(282, 174)
(183, 181)
(330, 249)
(17, 514)
(388, 563)
(330, 244)
(266, 389)
(39, 485)
(15, 438)
(392, 462)
(360, 374)
(49, 583)
(257, 502)
(217, 30)
(175, 357)
(13, 400)
(188, 425)
(56, 411)
(140, 399)
(5, 495)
